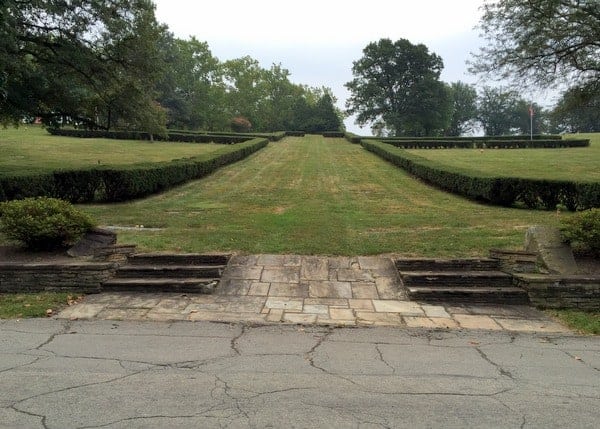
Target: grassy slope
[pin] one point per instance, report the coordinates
(577, 163)
(318, 196)
(31, 149)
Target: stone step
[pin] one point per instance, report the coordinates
(189, 285)
(435, 264)
(480, 295)
(170, 271)
(445, 279)
(161, 259)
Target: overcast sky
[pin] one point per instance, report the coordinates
(317, 41)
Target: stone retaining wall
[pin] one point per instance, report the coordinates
(575, 292)
(77, 277)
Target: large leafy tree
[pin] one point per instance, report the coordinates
(464, 109)
(396, 85)
(315, 112)
(191, 88)
(95, 62)
(541, 41)
(578, 110)
(503, 111)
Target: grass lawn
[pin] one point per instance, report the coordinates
(315, 195)
(584, 322)
(23, 305)
(566, 164)
(30, 149)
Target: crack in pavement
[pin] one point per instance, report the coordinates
(237, 338)
(580, 360)
(66, 389)
(383, 360)
(501, 370)
(236, 401)
(30, 414)
(64, 331)
(23, 365)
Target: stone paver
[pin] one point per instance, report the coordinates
(477, 322)
(328, 288)
(338, 291)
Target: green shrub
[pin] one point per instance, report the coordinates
(43, 223)
(505, 191)
(124, 182)
(582, 230)
(239, 124)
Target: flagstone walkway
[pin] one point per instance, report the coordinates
(337, 291)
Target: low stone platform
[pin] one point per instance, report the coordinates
(260, 310)
(307, 290)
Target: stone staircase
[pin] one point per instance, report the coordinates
(160, 272)
(459, 280)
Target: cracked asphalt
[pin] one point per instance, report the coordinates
(127, 374)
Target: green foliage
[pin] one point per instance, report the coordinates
(464, 109)
(582, 230)
(239, 124)
(491, 142)
(43, 223)
(504, 191)
(126, 182)
(396, 86)
(541, 41)
(323, 196)
(586, 322)
(503, 111)
(179, 136)
(91, 62)
(24, 305)
(578, 110)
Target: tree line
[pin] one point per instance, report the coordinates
(397, 90)
(537, 43)
(109, 64)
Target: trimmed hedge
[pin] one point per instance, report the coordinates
(474, 138)
(109, 184)
(504, 191)
(334, 134)
(173, 136)
(276, 136)
(295, 133)
(352, 138)
(489, 144)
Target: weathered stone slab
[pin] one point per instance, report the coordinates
(553, 253)
(280, 275)
(314, 268)
(95, 238)
(330, 289)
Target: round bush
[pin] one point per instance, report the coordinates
(43, 223)
(582, 230)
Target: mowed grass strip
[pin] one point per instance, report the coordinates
(317, 196)
(581, 164)
(30, 149)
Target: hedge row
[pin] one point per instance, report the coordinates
(473, 138)
(334, 134)
(504, 191)
(295, 133)
(490, 144)
(276, 136)
(109, 184)
(179, 136)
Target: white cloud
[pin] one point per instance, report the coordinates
(279, 22)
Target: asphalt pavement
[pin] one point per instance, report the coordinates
(57, 373)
